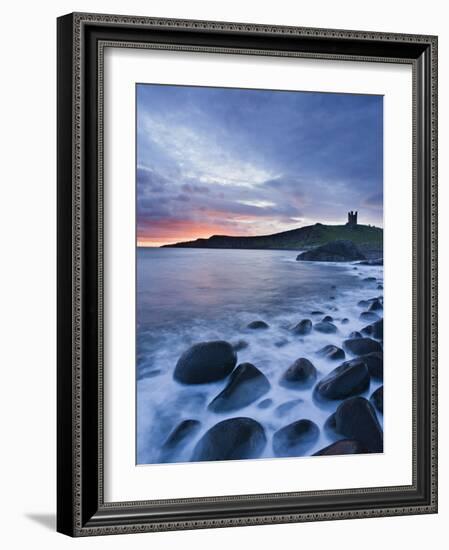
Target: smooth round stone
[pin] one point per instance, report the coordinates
(231, 439)
(205, 362)
(350, 378)
(295, 438)
(258, 325)
(325, 327)
(300, 374)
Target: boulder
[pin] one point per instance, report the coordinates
(295, 438)
(350, 378)
(342, 447)
(377, 399)
(355, 334)
(300, 374)
(288, 406)
(303, 327)
(375, 363)
(246, 384)
(363, 303)
(331, 352)
(335, 251)
(257, 325)
(356, 419)
(369, 279)
(327, 319)
(344, 321)
(205, 362)
(368, 316)
(361, 346)
(325, 327)
(179, 437)
(376, 305)
(376, 329)
(231, 439)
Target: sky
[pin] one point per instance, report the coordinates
(224, 161)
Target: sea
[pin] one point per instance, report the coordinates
(187, 296)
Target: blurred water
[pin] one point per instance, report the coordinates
(186, 296)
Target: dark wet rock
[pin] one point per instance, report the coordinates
(281, 343)
(361, 346)
(380, 287)
(246, 385)
(231, 439)
(180, 436)
(335, 251)
(257, 325)
(325, 327)
(205, 362)
(356, 419)
(295, 438)
(301, 374)
(369, 279)
(331, 352)
(265, 404)
(375, 363)
(330, 425)
(377, 261)
(331, 297)
(344, 321)
(377, 399)
(288, 406)
(342, 447)
(316, 312)
(355, 334)
(376, 329)
(350, 378)
(376, 305)
(369, 316)
(327, 319)
(363, 303)
(303, 327)
(354, 268)
(239, 345)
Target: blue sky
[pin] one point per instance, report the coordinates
(251, 162)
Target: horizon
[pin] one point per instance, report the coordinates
(235, 162)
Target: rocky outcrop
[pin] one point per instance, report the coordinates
(336, 251)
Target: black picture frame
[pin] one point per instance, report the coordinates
(81, 510)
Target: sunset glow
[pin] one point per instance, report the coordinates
(253, 162)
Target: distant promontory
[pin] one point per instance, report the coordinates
(367, 238)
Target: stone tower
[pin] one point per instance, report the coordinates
(352, 218)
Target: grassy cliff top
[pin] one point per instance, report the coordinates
(364, 236)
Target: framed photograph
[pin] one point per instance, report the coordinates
(247, 283)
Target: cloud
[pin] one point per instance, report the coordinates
(254, 161)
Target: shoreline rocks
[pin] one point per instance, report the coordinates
(335, 251)
(246, 385)
(361, 346)
(205, 362)
(342, 447)
(232, 439)
(295, 438)
(350, 378)
(300, 374)
(355, 418)
(331, 352)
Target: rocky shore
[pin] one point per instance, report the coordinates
(354, 420)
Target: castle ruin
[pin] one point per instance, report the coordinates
(352, 218)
